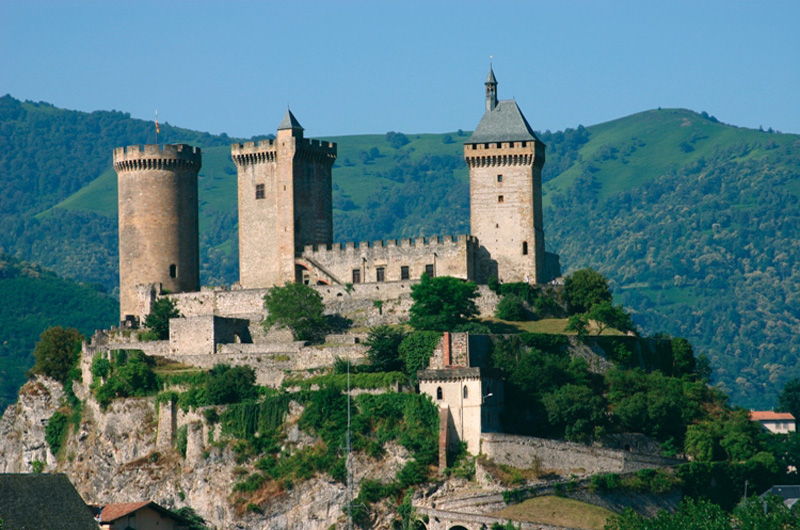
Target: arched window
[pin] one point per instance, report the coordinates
(466, 392)
(439, 393)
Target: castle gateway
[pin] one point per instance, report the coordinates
(286, 215)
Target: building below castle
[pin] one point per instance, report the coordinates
(286, 215)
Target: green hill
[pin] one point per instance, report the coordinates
(34, 300)
(695, 222)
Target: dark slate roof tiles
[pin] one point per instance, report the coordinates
(505, 123)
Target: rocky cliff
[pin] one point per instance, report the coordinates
(113, 456)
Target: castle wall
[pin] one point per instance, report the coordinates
(158, 230)
(506, 209)
(443, 256)
(524, 451)
(198, 335)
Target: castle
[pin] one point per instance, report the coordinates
(286, 217)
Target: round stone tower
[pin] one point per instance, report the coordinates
(157, 222)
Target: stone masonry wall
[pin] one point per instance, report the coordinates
(446, 256)
(523, 451)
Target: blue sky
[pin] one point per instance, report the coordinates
(411, 66)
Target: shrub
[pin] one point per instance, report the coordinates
(55, 431)
(230, 385)
(511, 308)
(416, 350)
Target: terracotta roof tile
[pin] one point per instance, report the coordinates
(112, 512)
(768, 415)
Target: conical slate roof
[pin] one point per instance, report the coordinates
(490, 78)
(505, 123)
(289, 122)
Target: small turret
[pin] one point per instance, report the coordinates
(491, 90)
(289, 122)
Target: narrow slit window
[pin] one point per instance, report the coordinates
(524, 248)
(466, 392)
(260, 194)
(173, 271)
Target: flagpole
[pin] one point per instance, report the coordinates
(157, 131)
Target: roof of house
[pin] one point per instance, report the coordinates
(505, 123)
(457, 373)
(790, 494)
(41, 500)
(768, 415)
(114, 511)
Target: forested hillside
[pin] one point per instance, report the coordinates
(693, 221)
(33, 300)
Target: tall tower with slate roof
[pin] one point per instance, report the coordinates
(505, 160)
(285, 203)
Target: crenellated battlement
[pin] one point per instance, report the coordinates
(431, 243)
(495, 154)
(267, 151)
(155, 156)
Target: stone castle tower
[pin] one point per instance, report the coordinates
(157, 221)
(285, 203)
(505, 160)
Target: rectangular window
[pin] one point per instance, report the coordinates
(259, 191)
(173, 271)
(524, 248)
(499, 178)
(429, 270)
(404, 272)
(356, 275)
(500, 198)
(379, 274)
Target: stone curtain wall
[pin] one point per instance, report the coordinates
(522, 451)
(448, 255)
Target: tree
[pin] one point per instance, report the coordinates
(158, 320)
(683, 361)
(297, 307)
(231, 385)
(575, 409)
(56, 352)
(606, 315)
(384, 343)
(789, 400)
(196, 522)
(584, 288)
(442, 303)
(579, 324)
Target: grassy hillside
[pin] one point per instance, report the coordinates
(693, 221)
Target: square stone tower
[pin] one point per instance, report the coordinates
(285, 203)
(505, 160)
